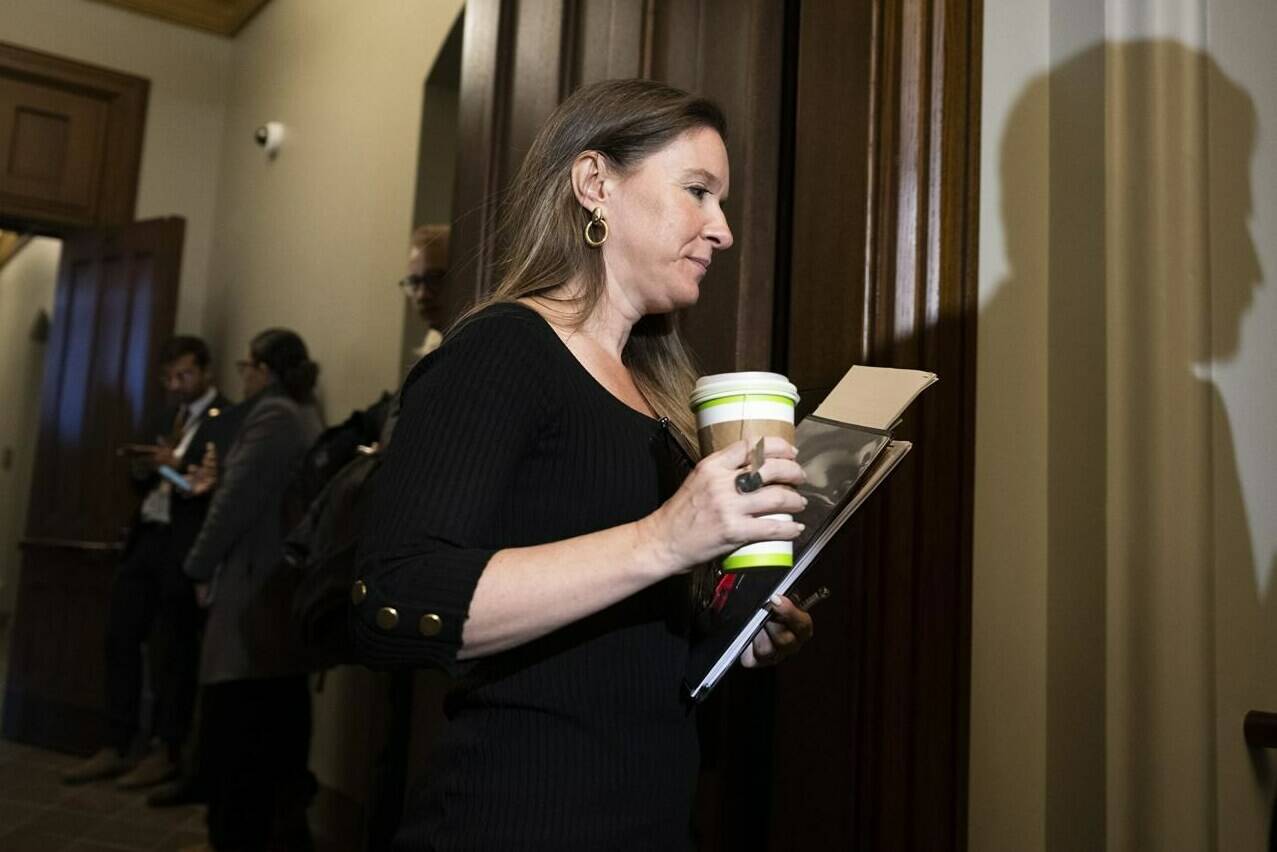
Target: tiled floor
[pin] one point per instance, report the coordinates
(40, 814)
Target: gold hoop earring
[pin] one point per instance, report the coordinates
(596, 218)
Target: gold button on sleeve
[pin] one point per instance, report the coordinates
(387, 618)
(430, 624)
(358, 592)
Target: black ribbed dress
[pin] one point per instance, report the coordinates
(579, 740)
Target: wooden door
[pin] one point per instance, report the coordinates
(114, 306)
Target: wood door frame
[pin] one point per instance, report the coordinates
(928, 244)
(902, 668)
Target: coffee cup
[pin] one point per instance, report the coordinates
(731, 407)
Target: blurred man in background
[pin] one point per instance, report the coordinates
(152, 601)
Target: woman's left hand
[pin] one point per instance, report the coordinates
(782, 635)
(203, 595)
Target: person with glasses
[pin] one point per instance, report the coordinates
(423, 285)
(151, 599)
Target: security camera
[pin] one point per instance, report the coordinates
(270, 136)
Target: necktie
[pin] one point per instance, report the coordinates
(179, 424)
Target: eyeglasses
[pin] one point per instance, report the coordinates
(243, 365)
(432, 280)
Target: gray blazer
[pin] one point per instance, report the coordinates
(240, 547)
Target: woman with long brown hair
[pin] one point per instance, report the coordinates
(538, 517)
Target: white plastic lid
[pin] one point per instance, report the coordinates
(732, 384)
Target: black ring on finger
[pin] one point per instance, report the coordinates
(748, 481)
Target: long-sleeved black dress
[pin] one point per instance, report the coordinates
(581, 739)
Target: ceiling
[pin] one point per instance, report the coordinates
(224, 17)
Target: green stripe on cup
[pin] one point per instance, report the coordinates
(745, 397)
(745, 562)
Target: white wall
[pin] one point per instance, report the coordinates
(1124, 616)
(26, 288)
(1243, 371)
(1008, 674)
(315, 239)
(181, 149)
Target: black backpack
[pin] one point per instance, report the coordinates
(322, 547)
(335, 448)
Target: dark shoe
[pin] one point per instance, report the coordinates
(185, 790)
(156, 768)
(107, 763)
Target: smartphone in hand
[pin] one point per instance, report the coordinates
(179, 481)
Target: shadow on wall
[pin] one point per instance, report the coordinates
(1161, 630)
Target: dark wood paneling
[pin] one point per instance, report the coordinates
(481, 121)
(608, 39)
(732, 52)
(70, 141)
(55, 684)
(114, 306)
(538, 80)
(828, 275)
(825, 742)
(884, 689)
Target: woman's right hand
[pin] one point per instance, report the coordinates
(707, 517)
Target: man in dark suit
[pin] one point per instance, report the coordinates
(151, 598)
